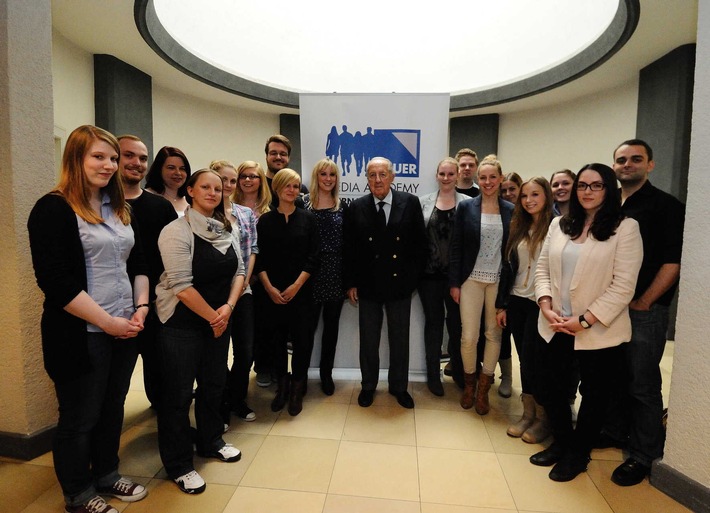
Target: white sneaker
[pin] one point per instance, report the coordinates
(228, 453)
(191, 483)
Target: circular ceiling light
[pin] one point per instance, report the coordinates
(481, 52)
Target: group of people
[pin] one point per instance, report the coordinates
(196, 259)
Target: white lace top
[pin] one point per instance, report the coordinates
(489, 259)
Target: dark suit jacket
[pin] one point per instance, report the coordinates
(384, 265)
(466, 238)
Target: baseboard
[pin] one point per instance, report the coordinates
(688, 492)
(26, 447)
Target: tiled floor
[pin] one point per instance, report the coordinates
(338, 457)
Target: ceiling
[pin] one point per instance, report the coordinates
(477, 67)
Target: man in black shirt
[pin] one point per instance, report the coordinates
(278, 155)
(152, 212)
(660, 217)
(468, 167)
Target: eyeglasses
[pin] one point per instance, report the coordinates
(595, 186)
(281, 154)
(249, 177)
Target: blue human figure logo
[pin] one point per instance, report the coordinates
(332, 144)
(346, 149)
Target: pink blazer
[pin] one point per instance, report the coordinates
(603, 283)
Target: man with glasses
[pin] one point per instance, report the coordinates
(660, 217)
(278, 155)
(385, 253)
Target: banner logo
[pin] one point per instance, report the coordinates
(353, 151)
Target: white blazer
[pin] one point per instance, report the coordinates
(603, 282)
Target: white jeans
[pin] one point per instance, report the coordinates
(477, 297)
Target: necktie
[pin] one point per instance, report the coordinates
(381, 214)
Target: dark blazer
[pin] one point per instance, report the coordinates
(58, 259)
(384, 265)
(466, 237)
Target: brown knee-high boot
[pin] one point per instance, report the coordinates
(469, 390)
(484, 385)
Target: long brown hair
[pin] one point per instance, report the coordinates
(522, 225)
(74, 185)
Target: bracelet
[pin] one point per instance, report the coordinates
(142, 305)
(543, 300)
(230, 306)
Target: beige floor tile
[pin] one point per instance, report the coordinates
(289, 463)
(382, 395)
(259, 500)
(426, 400)
(349, 504)
(343, 392)
(448, 508)
(380, 424)
(376, 470)
(51, 500)
(631, 499)
(611, 454)
(317, 420)
(533, 490)
(451, 430)
(466, 478)
(45, 460)
(137, 410)
(22, 483)
(165, 496)
(265, 420)
(219, 472)
(496, 424)
(139, 452)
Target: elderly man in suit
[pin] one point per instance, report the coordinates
(385, 255)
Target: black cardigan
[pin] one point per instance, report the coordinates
(58, 260)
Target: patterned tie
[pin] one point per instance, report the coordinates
(381, 214)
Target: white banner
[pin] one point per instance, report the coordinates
(409, 129)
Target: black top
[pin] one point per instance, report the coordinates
(439, 228)
(60, 269)
(660, 217)
(153, 213)
(328, 281)
(471, 192)
(212, 275)
(288, 248)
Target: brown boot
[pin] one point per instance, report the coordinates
(469, 390)
(295, 399)
(281, 393)
(484, 385)
(516, 430)
(540, 430)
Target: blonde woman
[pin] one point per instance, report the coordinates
(477, 244)
(328, 290)
(253, 190)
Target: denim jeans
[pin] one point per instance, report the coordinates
(370, 317)
(88, 434)
(643, 357)
(186, 355)
(329, 338)
(439, 307)
(242, 349)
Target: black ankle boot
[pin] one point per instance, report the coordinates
(295, 399)
(281, 393)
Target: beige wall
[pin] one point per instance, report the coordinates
(207, 131)
(568, 135)
(688, 444)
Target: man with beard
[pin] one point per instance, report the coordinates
(152, 212)
(278, 155)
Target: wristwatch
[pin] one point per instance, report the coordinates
(584, 322)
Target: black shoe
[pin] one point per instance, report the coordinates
(435, 387)
(630, 473)
(549, 456)
(365, 398)
(606, 441)
(282, 393)
(448, 369)
(568, 468)
(404, 399)
(327, 385)
(244, 412)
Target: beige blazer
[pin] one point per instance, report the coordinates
(603, 283)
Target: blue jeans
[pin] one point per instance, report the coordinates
(643, 357)
(186, 355)
(88, 434)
